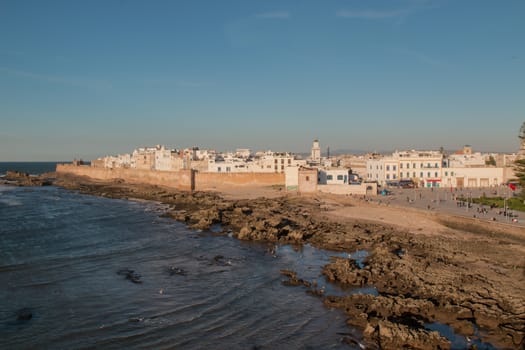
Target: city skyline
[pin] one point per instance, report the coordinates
(87, 79)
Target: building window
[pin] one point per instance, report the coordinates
(436, 174)
(289, 161)
(282, 161)
(388, 176)
(219, 169)
(275, 161)
(308, 178)
(228, 169)
(421, 174)
(282, 167)
(400, 165)
(401, 174)
(414, 165)
(394, 168)
(428, 165)
(340, 177)
(387, 167)
(394, 176)
(446, 173)
(451, 173)
(436, 165)
(413, 174)
(329, 177)
(428, 174)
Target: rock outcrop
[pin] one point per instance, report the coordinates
(420, 278)
(24, 179)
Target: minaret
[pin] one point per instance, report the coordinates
(316, 151)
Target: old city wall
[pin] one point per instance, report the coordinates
(177, 179)
(217, 181)
(361, 189)
(183, 179)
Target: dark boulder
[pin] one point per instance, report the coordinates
(24, 314)
(130, 275)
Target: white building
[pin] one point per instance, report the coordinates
(466, 158)
(230, 165)
(243, 153)
(291, 178)
(276, 161)
(143, 158)
(298, 178)
(431, 169)
(163, 159)
(355, 162)
(153, 158)
(472, 177)
(113, 162)
(422, 167)
(205, 154)
(263, 162)
(334, 176)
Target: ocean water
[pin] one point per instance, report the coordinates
(32, 168)
(60, 254)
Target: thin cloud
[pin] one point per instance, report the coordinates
(274, 15)
(70, 81)
(419, 56)
(371, 14)
(412, 6)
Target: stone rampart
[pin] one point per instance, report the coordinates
(183, 179)
(217, 181)
(361, 189)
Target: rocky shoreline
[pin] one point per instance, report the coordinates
(17, 178)
(470, 280)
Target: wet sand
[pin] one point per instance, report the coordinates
(427, 267)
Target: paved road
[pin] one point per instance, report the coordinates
(444, 200)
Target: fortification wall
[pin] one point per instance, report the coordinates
(218, 181)
(362, 189)
(177, 179)
(183, 179)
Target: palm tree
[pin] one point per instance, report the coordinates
(519, 172)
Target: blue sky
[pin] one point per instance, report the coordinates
(89, 78)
